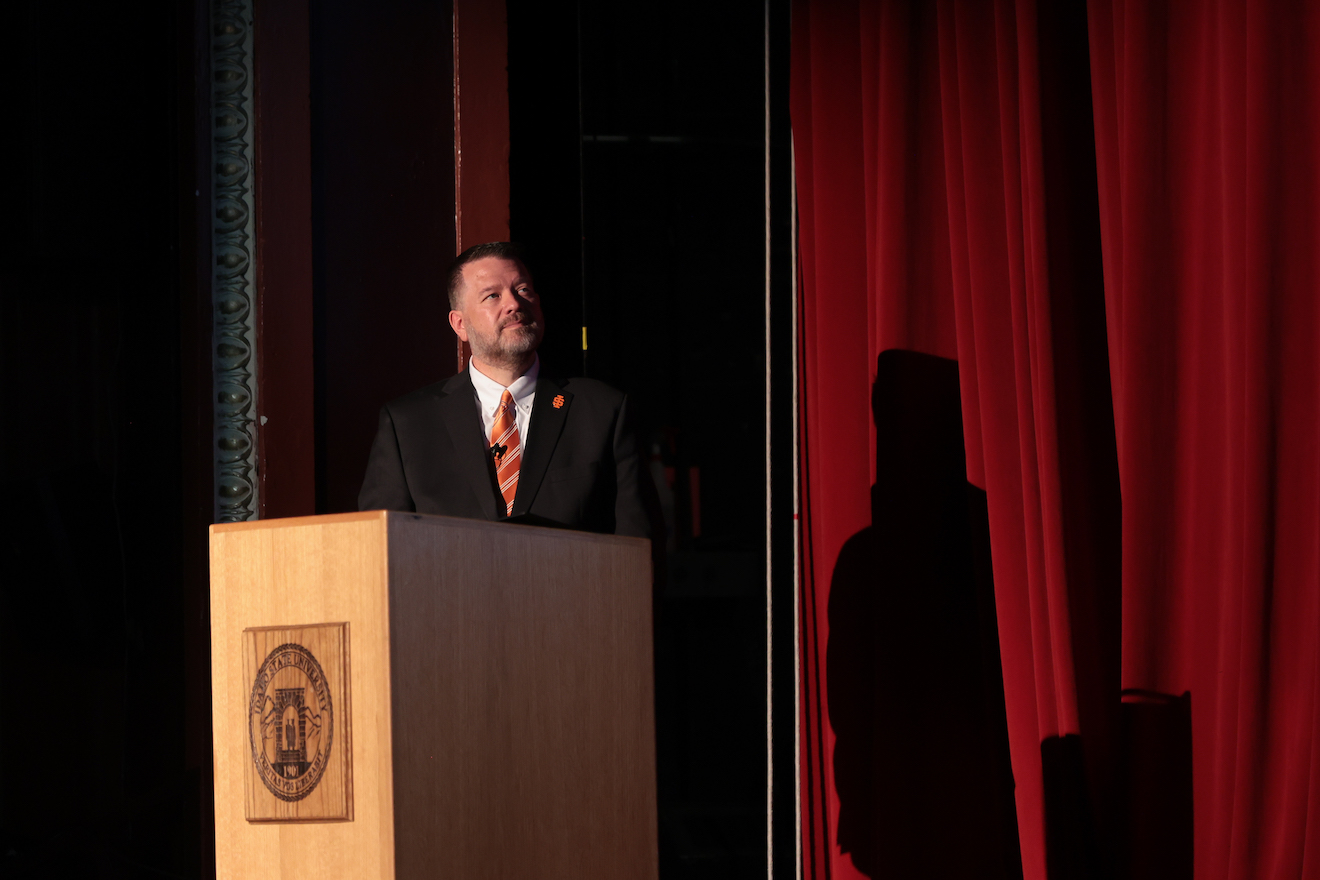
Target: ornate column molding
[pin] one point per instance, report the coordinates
(233, 278)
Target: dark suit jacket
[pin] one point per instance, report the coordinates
(581, 468)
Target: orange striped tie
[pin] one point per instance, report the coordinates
(506, 447)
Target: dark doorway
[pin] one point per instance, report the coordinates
(637, 178)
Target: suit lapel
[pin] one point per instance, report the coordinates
(549, 412)
(458, 413)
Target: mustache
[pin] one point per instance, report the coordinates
(523, 318)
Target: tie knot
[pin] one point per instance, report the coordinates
(506, 399)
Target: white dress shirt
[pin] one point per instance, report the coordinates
(489, 393)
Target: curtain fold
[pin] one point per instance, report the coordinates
(989, 98)
(835, 499)
(1099, 226)
(917, 130)
(1206, 120)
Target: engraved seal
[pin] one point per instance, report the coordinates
(290, 722)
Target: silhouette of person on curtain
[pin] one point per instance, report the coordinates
(916, 701)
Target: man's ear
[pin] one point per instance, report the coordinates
(456, 322)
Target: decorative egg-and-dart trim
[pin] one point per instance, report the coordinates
(233, 268)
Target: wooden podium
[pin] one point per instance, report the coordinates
(405, 696)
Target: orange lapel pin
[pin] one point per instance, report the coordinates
(558, 401)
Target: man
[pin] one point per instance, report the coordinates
(499, 439)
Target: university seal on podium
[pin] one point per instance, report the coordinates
(290, 722)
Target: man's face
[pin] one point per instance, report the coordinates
(501, 313)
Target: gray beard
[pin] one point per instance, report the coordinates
(507, 352)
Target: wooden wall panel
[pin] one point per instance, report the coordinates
(383, 219)
(283, 150)
(481, 129)
(377, 159)
(481, 122)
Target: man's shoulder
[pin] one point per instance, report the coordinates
(591, 389)
(427, 395)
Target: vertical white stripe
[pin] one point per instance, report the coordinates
(769, 500)
(797, 524)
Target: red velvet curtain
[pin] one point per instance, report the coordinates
(957, 187)
(1206, 115)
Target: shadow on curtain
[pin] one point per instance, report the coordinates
(921, 757)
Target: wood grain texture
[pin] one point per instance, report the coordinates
(524, 717)
(299, 723)
(282, 573)
(501, 696)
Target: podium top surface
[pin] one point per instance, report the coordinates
(438, 521)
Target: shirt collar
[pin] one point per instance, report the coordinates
(489, 391)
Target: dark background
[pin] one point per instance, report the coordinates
(656, 129)
(105, 759)
(637, 154)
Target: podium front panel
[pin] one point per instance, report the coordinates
(292, 573)
(416, 696)
(524, 727)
